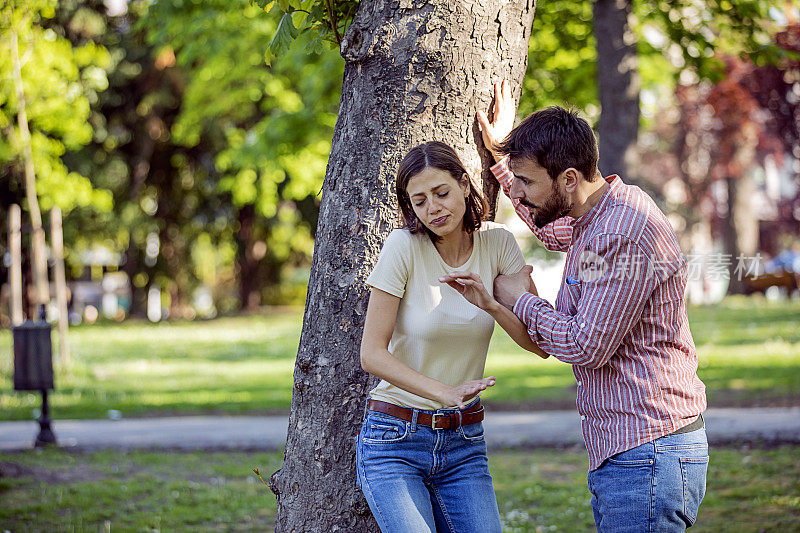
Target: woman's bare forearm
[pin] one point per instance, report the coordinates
(379, 362)
(516, 329)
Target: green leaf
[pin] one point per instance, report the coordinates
(315, 46)
(266, 5)
(284, 35)
(299, 18)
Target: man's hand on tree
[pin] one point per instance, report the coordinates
(508, 288)
(503, 113)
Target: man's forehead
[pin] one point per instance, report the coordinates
(527, 165)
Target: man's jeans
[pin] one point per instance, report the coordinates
(655, 487)
(418, 479)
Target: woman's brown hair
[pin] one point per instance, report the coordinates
(440, 156)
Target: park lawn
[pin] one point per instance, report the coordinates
(749, 355)
(749, 489)
(748, 351)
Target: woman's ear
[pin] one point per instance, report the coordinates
(465, 184)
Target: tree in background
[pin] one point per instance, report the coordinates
(61, 81)
(777, 89)
(161, 192)
(600, 55)
(726, 130)
(210, 161)
(49, 84)
(267, 126)
(413, 72)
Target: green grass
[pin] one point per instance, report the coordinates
(749, 355)
(748, 349)
(537, 490)
(136, 491)
(230, 365)
(749, 490)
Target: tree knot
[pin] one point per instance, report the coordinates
(354, 47)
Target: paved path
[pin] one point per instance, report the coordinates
(508, 429)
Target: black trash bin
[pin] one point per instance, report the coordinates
(33, 369)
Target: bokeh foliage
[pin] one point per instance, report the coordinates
(172, 144)
(676, 40)
(190, 139)
(60, 81)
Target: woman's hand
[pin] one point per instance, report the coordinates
(471, 287)
(457, 395)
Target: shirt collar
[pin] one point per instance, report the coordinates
(615, 182)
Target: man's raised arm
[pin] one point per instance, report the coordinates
(557, 235)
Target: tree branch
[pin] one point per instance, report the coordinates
(334, 25)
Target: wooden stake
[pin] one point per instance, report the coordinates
(15, 276)
(39, 258)
(57, 239)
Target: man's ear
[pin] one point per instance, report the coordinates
(570, 179)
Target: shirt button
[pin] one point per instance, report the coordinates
(583, 418)
(583, 325)
(580, 383)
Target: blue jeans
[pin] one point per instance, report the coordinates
(655, 487)
(418, 479)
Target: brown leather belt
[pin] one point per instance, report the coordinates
(450, 419)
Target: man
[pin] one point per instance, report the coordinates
(619, 319)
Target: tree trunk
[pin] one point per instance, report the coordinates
(415, 71)
(138, 306)
(60, 282)
(246, 264)
(740, 229)
(15, 268)
(141, 169)
(618, 84)
(38, 246)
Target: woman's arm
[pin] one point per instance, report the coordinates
(471, 287)
(378, 361)
(515, 329)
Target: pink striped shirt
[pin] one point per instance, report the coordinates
(620, 319)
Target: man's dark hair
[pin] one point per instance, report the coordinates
(556, 139)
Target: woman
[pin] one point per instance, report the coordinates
(421, 456)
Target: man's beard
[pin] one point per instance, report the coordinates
(555, 207)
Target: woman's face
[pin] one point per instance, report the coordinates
(439, 201)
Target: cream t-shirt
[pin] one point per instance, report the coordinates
(437, 332)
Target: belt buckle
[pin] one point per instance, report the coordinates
(433, 420)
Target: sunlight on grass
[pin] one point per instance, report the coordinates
(749, 490)
(749, 352)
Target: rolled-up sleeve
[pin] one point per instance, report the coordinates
(612, 298)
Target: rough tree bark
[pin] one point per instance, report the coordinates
(415, 71)
(618, 85)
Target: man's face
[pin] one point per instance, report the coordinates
(535, 189)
